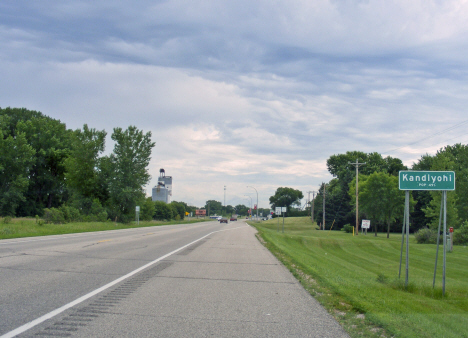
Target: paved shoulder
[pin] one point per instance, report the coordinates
(226, 285)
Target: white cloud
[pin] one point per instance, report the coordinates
(244, 93)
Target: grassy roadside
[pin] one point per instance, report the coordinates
(27, 227)
(356, 280)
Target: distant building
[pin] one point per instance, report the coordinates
(163, 190)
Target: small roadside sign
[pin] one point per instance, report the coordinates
(365, 224)
(137, 208)
(283, 209)
(278, 211)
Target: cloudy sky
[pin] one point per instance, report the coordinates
(245, 93)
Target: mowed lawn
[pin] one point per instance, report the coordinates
(357, 277)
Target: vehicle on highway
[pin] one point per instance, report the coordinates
(223, 220)
(233, 219)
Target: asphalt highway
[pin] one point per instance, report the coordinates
(194, 280)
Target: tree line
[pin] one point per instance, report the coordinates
(214, 207)
(62, 175)
(379, 196)
(44, 166)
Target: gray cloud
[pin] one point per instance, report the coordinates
(244, 93)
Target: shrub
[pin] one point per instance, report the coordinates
(96, 207)
(126, 218)
(70, 214)
(162, 211)
(102, 216)
(89, 218)
(460, 235)
(147, 209)
(426, 236)
(348, 228)
(6, 220)
(53, 215)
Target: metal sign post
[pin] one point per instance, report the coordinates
(426, 180)
(444, 194)
(278, 213)
(137, 214)
(283, 210)
(438, 241)
(405, 229)
(365, 225)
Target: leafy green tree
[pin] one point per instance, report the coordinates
(264, 211)
(16, 156)
(450, 158)
(179, 208)
(422, 198)
(339, 166)
(432, 210)
(380, 198)
(147, 209)
(83, 165)
(51, 141)
(188, 208)
(241, 209)
(129, 163)
(213, 207)
(229, 210)
(286, 197)
(337, 209)
(162, 211)
(17, 115)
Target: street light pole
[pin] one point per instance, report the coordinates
(257, 198)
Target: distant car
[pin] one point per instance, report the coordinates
(219, 218)
(233, 219)
(223, 220)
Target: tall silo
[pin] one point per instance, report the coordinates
(163, 190)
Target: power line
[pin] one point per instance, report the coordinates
(430, 136)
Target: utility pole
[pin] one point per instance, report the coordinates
(323, 214)
(224, 196)
(357, 164)
(312, 204)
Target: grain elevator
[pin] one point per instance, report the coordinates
(163, 190)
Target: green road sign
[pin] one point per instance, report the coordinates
(427, 180)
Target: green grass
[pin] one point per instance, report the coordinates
(27, 227)
(356, 279)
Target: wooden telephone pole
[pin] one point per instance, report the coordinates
(323, 213)
(357, 164)
(311, 203)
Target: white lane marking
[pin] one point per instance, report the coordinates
(55, 312)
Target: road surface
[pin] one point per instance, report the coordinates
(193, 280)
